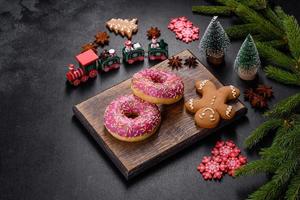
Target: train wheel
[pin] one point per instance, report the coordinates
(93, 73)
(76, 82)
(84, 78)
(163, 57)
(116, 65)
(106, 68)
(151, 57)
(130, 61)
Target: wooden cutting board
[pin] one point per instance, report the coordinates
(177, 129)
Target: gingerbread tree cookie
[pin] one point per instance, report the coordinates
(212, 106)
(123, 27)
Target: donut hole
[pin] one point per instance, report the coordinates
(131, 115)
(157, 79)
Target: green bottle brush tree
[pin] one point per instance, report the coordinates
(247, 61)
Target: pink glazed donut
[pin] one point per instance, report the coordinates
(157, 86)
(131, 119)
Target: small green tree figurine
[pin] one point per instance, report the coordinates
(214, 42)
(247, 60)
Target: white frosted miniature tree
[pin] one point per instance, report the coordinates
(215, 38)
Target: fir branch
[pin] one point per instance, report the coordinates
(271, 15)
(251, 16)
(241, 31)
(259, 133)
(279, 152)
(255, 167)
(259, 37)
(256, 4)
(274, 152)
(273, 188)
(292, 30)
(276, 43)
(289, 138)
(275, 56)
(293, 192)
(285, 108)
(282, 76)
(280, 13)
(213, 10)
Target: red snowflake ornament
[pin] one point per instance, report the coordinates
(225, 150)
(234, 163)
(178, 23)
(210, 168)
(188, 34)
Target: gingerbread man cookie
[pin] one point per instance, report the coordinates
(212, 106)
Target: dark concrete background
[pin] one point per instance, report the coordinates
(44, 151)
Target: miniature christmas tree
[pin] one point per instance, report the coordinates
(214, 42)
(247, 61)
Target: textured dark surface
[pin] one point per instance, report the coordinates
(44, 151)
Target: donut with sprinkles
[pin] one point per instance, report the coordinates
(157, 86)
(131, 119)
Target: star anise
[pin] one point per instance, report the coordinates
(258, 101)
(249, 94)
(175, 62)
(191, 62)
(89, 46)
(265, 91)
(153, 32)
(101, 38)
(256, 98)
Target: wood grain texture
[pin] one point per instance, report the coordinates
(177, 129)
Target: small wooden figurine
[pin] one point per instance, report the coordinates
(156, 50)
(109, 60)
(132, 52)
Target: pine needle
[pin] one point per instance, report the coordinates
(256, 4)
(273, 188)
(288, 139)
(241, 31)
(276, 43)
(282, 76)
(255, 167)
(251, 16)
(293, 192)
(272, 153)
(271, 15)
(292, 30)
(275, 56)
(259, 133)
(213, 10)
(280, 13)
(285, 108)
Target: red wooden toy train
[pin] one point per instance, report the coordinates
(90, 63)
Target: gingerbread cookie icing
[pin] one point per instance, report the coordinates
(212, 106)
